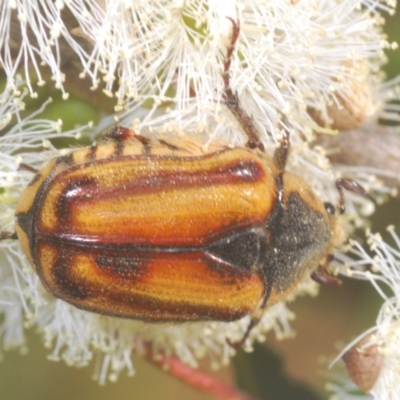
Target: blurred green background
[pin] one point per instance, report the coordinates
(288, 369)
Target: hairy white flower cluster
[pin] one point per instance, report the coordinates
(316, 63)
(292, 57)
(373, 359)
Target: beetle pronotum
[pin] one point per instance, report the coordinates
(137, 228)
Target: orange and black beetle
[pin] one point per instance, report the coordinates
(155, 231)
(148, 230)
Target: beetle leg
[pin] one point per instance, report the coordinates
(255, 318)
(26, 167)
(8, 235)
(282, 152)
(321, 275)
(237, 345)
(351, 186)
(280, 157)
(232, 100)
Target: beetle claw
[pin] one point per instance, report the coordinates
(351, 186)
(322, 276)
(8, 235)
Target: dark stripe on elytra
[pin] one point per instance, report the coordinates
(116, 133)
(175, 312)
(130, 267)
(34, 179)
(236, 172)
(214, 248)
(141, 305)
(86, 187)
(277, 209)
(122, 134)
(67, 160)
(146, 149)
(91, 156)
(148, 309)
(127, 271)
(130, 263)
(119, 149)
(28, 219)
(65, 285)
(147, 144)
(169, 145)
(25, 221)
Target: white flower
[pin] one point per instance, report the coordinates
(378, 371)
(290, 58)
(315, 62)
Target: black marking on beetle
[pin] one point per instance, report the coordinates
(115, 134)
(34, 179)
(25, 221)
(234, 172)
(122, 266)
(240, 251)
(244, 171)
(122, 135)
(65, 284)
(170, 145)
(83, 187)
(119, 149)
(67, 160)
(118, 136)
(145, 141)
(277, 210)
(91, 156)
(146, 149)
(299, 237)
(122, 272)
(178, 312)
(104, 261)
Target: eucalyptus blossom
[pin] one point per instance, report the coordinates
(310, 67)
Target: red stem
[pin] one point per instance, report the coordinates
(196, 378)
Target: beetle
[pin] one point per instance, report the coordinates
(162, 231)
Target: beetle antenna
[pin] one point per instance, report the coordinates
(232, 99)
(351, 186)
